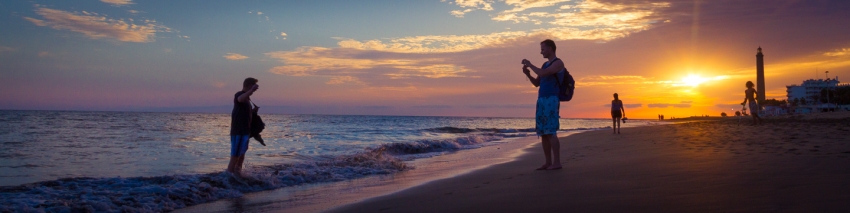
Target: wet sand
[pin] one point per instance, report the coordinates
(789, 164)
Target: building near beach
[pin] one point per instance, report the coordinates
(810, 91)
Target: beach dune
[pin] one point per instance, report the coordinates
(786, 165)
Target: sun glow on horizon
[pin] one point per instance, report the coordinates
(694, 80)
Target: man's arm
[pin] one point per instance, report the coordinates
(534, 81)
(556, 67)
(247, 95)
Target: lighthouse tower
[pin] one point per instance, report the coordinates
(760, 76)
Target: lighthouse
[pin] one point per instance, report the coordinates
(760, 76)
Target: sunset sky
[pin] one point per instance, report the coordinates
(446, 58)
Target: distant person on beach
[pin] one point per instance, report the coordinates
(617, 112)
(548, 112)
(750, 95)
(240, 125)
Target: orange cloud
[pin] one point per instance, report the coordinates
(96, 26)
(344, 79)
(6, 49)
(522, 5)
(839, 52)
(235, 56)
(118, 2)
(592, 21)
(344, 67)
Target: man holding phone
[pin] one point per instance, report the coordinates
(240, 125)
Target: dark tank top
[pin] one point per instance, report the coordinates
(240, 121)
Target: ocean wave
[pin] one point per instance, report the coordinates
(438, 145)
(450, 129)
(498, 131)
(166, 193)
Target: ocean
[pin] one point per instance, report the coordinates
(136, 161)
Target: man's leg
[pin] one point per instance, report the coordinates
(547, 151)
(240, 158)
(239, 161)
(234, 149)
(556, 151)
(231, 167)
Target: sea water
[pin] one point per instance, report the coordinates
(135, 161)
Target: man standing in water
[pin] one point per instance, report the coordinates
(750, 95)
(240, 125)
(548, 115)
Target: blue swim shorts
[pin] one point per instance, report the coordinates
(547, 117)
(239, 145)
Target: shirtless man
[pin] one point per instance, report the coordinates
(751, 97)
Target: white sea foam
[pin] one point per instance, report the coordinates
(166, 193)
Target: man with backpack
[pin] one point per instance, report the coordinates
(555, 85)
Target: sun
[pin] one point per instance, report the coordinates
(693, 80)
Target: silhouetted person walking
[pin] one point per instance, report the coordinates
(617, 112)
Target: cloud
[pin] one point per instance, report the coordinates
(235, 56)
(344, 80)
(460, 13)
(502, 106)
(605, 80)
(433, 106)
(522, 5)
(681, 105)
(626, 105)
(345, 65)
(96, 26)
(118, 2)
(591, 13)
(461, 43)
(686, 102)
(839, 52)
(43, 54)
(475, 4)
(6, 49)
(283, 35)
(591, 20)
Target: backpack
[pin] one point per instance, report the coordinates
(257, 126)
(566, 84)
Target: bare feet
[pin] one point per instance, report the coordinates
(544, 167)
(554, 167)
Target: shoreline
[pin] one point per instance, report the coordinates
(786, 165)
(325, 196)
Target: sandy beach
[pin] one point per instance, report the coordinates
(792, 164)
